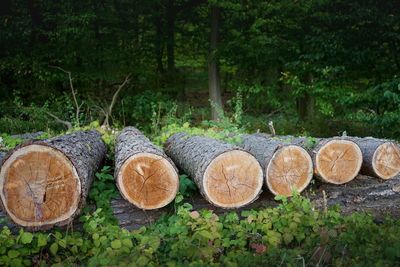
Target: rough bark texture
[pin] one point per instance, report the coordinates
(286, 166)
(28, 136)
(193, 155)
(132, 142)
(389, 158)
(85, 150)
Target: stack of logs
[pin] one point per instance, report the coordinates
(44, 183)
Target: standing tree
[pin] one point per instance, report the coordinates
(213, 69)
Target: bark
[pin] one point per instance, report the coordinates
(193, 155)
(131, 142)
(391, 159)
(213, 68)
(28, 136)
(85, 150)
(364, 194)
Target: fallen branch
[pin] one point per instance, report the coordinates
(106, 123)
(74, 93)
(66, 123)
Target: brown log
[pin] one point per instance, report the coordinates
(336, 160)
(45, 182)
(363, 194)
(145, 176)
(381, 158)
(226, 175)
(287, 167)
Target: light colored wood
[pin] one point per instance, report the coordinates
(338, 161)
(39, 186)
(148, 181)
(233, 179)
(386, 160)
(290, 168)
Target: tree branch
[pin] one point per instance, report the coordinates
(113, 101)
(66, 123)
(74, 93)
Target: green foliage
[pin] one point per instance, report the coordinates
(294, 233)
(8, 142)
(102, 191)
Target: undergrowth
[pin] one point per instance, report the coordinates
(292, 234)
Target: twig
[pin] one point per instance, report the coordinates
(113, 100)
(271, 128)
(66, 123)
(74, 93)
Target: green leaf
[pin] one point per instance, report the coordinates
(116, 244)
(12, 254)
(127, 243)
(26, 238)
(42, 240)
(54, 248)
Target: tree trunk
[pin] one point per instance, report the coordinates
(37, 22)
(170, 14)
(336, 160)
(145, 176)
(227, 176)
(45, 182)
(381, 158)
(213, 69)
(286, 166)
(159, 47)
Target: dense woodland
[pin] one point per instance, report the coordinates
(237, 107)
(301, 64)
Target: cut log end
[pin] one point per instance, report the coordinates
(386, 160)
(148, 181)
(290, 169)
(338, 161)
(39, 186)
(233, 179)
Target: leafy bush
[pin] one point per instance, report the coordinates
(293, 234)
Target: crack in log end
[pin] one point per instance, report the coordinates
(148, 181)
(232, 179)
(338, 161)
(290, 168)
(386, 160)
(39, 186)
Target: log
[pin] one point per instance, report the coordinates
(145, 176)
(287, 167)
(381, 158)
(44, 183)
(363, 194)
(227, 176)
(336, 160)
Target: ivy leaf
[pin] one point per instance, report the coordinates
(26, 238)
